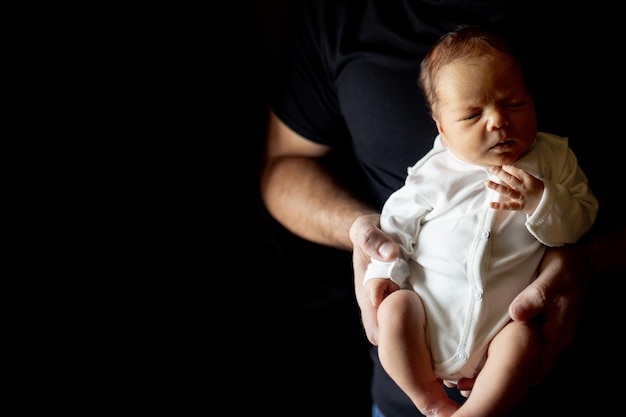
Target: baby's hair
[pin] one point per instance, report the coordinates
(463, 42)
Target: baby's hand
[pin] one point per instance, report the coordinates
(377, 289)
(522, 189)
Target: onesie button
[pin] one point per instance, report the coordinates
(484, 234)
(477, 295)
(462, 355)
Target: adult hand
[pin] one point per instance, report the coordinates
(555, 300)
(368, 240)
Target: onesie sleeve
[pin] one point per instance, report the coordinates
(396, 270)
(568, 207)
(401, 218)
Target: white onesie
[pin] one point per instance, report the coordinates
(468, 261)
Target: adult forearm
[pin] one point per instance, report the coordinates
(301, 195)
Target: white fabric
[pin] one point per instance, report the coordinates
(468, 261)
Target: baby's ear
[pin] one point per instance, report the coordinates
(441, 133)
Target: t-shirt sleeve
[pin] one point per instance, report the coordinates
(304, 96)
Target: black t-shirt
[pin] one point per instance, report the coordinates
(346, 76)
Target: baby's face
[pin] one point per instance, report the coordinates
(485, 114)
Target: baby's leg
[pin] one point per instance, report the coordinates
(405, 356)
(507, 374)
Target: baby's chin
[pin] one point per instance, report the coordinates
(499, 158)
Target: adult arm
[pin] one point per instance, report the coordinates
(302, 195)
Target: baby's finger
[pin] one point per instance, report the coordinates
(506, 191)
(522, 176)
(506, 174)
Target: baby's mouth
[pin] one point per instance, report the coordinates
(503, 145)
(506, 142)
